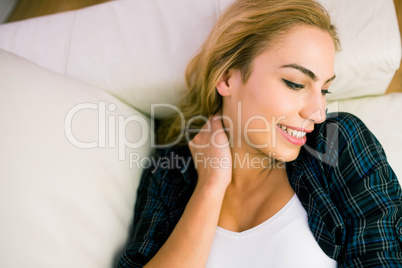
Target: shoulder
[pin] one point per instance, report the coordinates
(343, 139)
(169, 168)
(345, 156)
(344, 127)
(161, 198)
(350, 129)
(174, 163)
(342, 152)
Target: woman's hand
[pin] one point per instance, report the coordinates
(211, 154)
(190, 242)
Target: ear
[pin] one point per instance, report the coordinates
(226, 83)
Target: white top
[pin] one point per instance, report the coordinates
(283, 241)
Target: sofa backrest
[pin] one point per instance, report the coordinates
(138, 50)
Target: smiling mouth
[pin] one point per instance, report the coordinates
(294, 133)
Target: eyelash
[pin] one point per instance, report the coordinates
(325, 92)
(297, 87)
(292, 85)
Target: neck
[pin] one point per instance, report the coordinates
(250, 168)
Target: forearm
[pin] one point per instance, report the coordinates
(190, 242)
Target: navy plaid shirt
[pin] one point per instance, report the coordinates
(341, 176)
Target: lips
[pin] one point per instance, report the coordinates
(294, 136)
(293, 132)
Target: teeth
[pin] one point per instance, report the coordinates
(292, 132)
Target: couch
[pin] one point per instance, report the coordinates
(80, 92)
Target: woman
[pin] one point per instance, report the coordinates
(257, 176)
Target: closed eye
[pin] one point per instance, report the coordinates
(325, 92)
(292, 85)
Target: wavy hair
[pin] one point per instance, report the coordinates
(246, 29)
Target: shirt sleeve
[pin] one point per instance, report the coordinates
(368, 196)
(151, 225)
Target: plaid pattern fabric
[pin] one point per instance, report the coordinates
(351, 195)
(341, 176)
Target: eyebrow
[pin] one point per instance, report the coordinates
(306, 72)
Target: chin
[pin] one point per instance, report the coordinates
(286, 155)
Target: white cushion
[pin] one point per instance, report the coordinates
(382, 115)
(371, 47)
(62, 205)
(137, 50)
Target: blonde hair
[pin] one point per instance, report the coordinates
(245, 30)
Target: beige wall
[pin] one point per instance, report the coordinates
(25, 9)
(396, 83)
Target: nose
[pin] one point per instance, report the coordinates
(313, 108)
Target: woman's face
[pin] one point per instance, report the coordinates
(283, 97)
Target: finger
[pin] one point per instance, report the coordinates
(219, 139)
(216, 122)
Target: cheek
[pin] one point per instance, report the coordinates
(275, 103)
(260, 116)
(262, 105)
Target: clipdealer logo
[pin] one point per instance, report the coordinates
(112, 136)
(111, 130)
